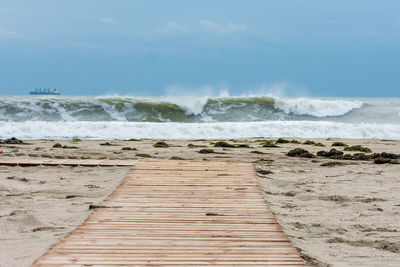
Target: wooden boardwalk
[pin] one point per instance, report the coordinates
(179, 213)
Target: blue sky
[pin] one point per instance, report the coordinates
(307, 47)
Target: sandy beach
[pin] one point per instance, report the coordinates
(337, 210)
(306, 93)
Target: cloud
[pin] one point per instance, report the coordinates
(108, 20)
(204, 26)
(229, 28)
(172, 27)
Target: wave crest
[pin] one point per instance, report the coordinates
(170, 109)
(317, 107)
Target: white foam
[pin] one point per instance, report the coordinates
(316, 107)
(169, 130)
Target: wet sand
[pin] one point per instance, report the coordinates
(347, 214)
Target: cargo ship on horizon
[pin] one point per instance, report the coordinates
(44, 91)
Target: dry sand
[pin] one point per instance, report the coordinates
(345, 215)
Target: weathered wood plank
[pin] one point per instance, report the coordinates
(29, 162)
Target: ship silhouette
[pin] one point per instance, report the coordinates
(44, 91)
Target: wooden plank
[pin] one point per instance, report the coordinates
(28, 162)
(178, 213)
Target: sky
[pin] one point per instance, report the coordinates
(323, 48)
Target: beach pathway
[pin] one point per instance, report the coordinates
(179, 213)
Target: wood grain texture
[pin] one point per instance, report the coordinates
(179, 213)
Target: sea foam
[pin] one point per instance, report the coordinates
(170, 130)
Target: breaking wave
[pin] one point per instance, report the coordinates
(171, 109)
(197, 117)
(316, 107)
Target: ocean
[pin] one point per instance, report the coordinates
(167, 117)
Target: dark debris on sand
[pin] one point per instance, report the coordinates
(310, 142)
(337, 154)
(176, 158)
(223, 144)
(379, 158)
(206, 151)
(332, 164)
(331, 153)
(108, 144)
(282, 141)
(385, 158)
(358, 148)
(339, 144)
(161, 144)
(300, 152)
(11, 141)
(269, 143)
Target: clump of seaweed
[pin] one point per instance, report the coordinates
(300, 152)
(227, 145)
(206, 151)
(128, 148)
(361, 156)
(257, 152)
(358, 148)
(194, 146)
(282, 141)
(223, 144)
(161, 144)
(310, 142)
(58, 145)
(70, 147)
(385, 157)
(12, 141)
(332, 164)
(176, 158)
(331, 153)
(107, 144)
(339, 144)
(385, 161)
(337, 154)
(243, 146)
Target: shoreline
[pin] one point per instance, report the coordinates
(347, 213)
